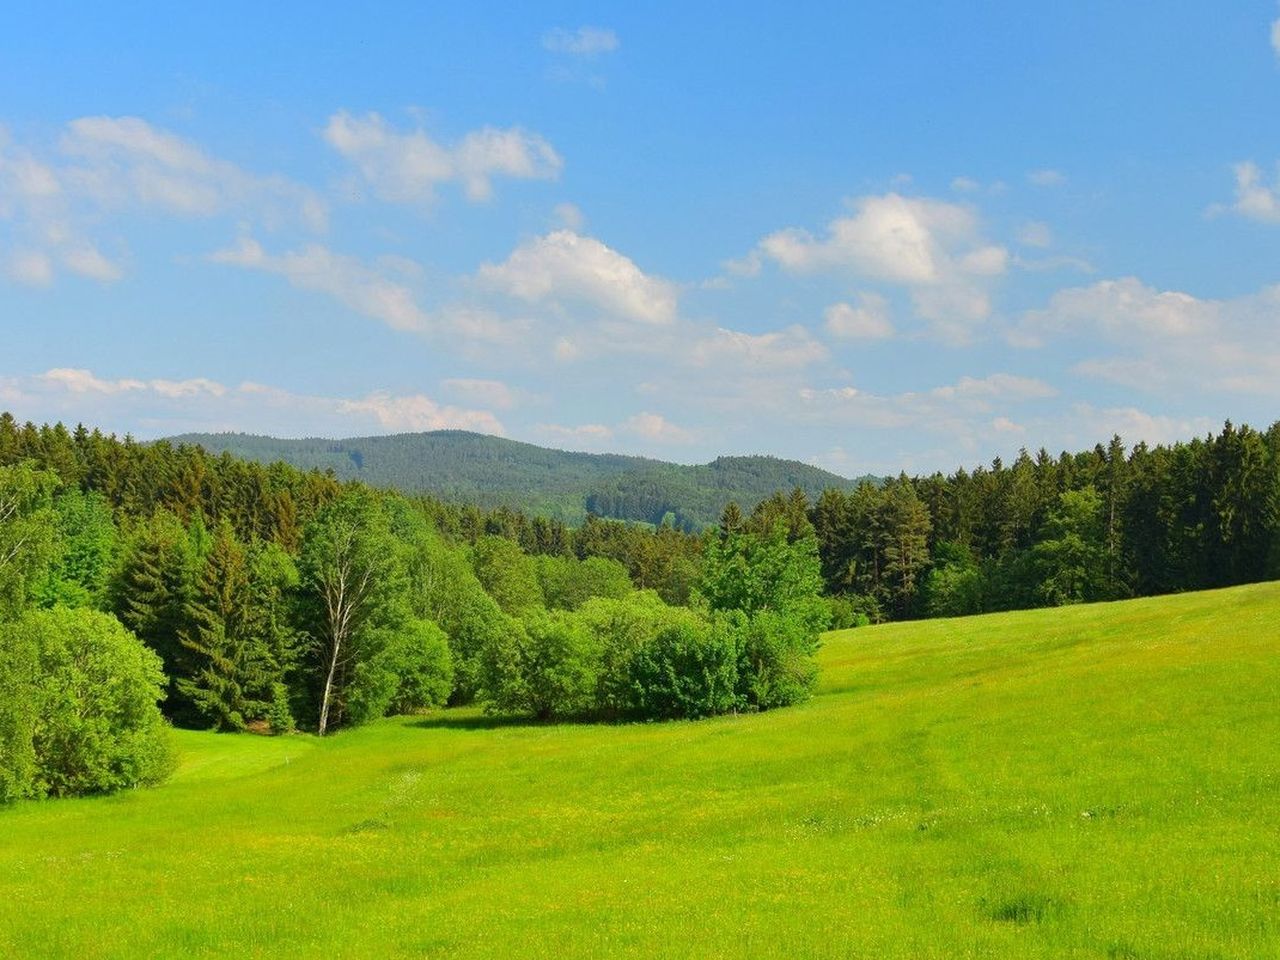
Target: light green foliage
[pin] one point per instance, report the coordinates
(78, 707)
(508, 575)
(567, 582)
(549, 668)
(444, 589)
(86, 553)
(400, 670)
(27, 533)
(774, 583)
(355, 589)
(956, 586)
(1085, 782)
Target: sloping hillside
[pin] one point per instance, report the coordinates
(1095, 781)
(493, 471)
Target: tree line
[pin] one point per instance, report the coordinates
(239, 596)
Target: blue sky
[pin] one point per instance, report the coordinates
(871, 236)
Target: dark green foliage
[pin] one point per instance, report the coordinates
(495, 472)
(279, 714)
(1070, 557)
(78, 707)
(689, 670)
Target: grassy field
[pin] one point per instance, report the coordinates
(1097, 781)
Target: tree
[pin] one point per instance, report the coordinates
(1070, 558)
(568, 582)
(352, 576)
(231, 671)
(507, 574)
(86, 552)
(904, 538)
(27, 533)
(78, 707)
(550, 668)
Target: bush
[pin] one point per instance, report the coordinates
(78, 714)
(404, 668)
(689, 670)
(550, 668)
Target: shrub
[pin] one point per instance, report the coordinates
(689, 670)
(549, 668)
(776, 665)
(78, 712)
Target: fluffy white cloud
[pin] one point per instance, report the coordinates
(733, 350)
(564, 267)
(657, 429)
(106, 165)
(931, 247)
(592, 435)
(867, 320)
(198, 404)
(417, 412)
(583, 42)
(1166, 338)
(1275, 36)
(408, 167)
(344, 278)
(126, 160)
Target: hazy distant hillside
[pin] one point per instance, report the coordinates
(491, 471)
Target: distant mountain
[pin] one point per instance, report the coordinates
(491, 471)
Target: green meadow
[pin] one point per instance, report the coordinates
(1092, 781)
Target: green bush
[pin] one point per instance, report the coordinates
(549, 668)
(776, 665)
(78, 712)
(689, 670)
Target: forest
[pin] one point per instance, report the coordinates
(145, 584)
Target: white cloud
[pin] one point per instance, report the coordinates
(1166, 339)
(125, 160)
(1255, 199)
(932, 247)
(868, 320)
(1005, 425)
(657, 429)
(1275, 36)
(965, 185)
(408, 167)
(417, 412)
(490, 393)
(583, 42)
(1047, 178)
(87, 261)
(344, 278)
(568, 216)
(733, 350)
(199, 404)
(564, 267)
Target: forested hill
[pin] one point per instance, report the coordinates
(492, 471)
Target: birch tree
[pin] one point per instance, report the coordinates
(352, 575)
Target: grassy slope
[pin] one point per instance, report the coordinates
(1093, 782)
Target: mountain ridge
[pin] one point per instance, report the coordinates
(460, 465)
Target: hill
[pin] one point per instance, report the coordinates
(492, 471)
(1091, 781)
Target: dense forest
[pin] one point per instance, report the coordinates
(469, 468)
(240, 595)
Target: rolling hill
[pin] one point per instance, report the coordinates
(1091, 781)
(493, 471)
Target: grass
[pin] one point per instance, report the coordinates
(1098, 781)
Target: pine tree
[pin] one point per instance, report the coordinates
(231, 671)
